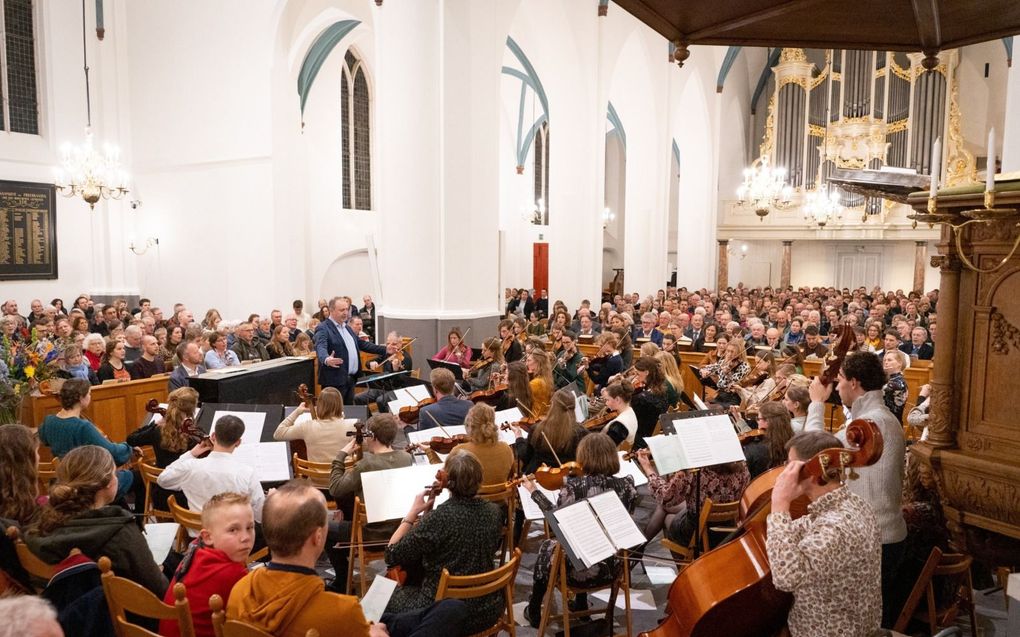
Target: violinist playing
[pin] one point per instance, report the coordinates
(540, 383)
(607, 361)
(480, 375)
(377, 455)
(455, 351)
(568, 359)
(325, 434)
(512, 348)
(597, 455)
(768, 451)
(561, 431)
(624, 427)
(461, 535)
(757, 385)
(518, 390)
(649, 400)
(830, 559)
(676, 495)
(394, 360)
(448, 410)
(496, 456)
(728, 372)
(169, 438)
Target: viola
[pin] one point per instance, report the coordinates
(751, 436)
(711, 596)
(308, 398)
(525, 423)
(359, 434)
(445, 444)
(398, 573)
(552, 478)
(409, 414)
(187, 426)
(597, 422)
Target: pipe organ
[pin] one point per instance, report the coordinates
(862, 110)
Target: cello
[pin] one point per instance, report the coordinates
(717, 593)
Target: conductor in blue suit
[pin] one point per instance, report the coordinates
(337, 347)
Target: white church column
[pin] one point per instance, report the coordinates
(438, 97)
(1011, 136)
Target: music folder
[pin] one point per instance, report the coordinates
(594, 529)
(384, 376)
(457, 370)
(700, 441)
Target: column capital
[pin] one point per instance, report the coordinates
(722, 242)
(788, 242)
(920, 244)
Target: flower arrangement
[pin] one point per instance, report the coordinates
(23, 365)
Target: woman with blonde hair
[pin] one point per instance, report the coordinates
(496, 456)
(541, 381)
(212, 319)
(79, 515)
(674, 380)
(649, 349)
(559, 431)
(326, 433)
(167, 435)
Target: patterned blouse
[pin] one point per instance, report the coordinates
(830, 559)
(575, 490)
(726, 376)
(679, 488)
(461, 535)
(895, 394)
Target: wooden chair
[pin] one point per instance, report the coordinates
(957, 567)
(684, 555)
(359, 554)
(37, 569)
(472, 586)
(149, 474)
(47, 473)
(558, 581)
(124, 596)
(505, 495)
(919, 589)
(190, 521)
(315, 472)
(234, 628)
(720, 513)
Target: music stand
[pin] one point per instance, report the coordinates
(457, 370)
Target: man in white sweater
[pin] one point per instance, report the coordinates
(859, 384)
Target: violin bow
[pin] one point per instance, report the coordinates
(445, 432)
(521, 405)
(546, 438)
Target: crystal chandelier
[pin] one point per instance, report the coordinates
(84, 172)
(822, 206)
(764, 188)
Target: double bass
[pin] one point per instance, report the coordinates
(729, 591)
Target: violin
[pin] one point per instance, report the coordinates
(409, 414)
(445, 444)
(711, 596)
(526, 424)
(359, 434)
(751, 436)
(598, 422)
(308, 398)
(187, 426)
(398, 573)
(552, 478)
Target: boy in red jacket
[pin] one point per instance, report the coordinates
(215, 561)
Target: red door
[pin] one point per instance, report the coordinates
(540, 266)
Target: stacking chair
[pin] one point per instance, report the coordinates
(719, 513)
(505, 495)
(149, 474)
(124, 596)
(235, 628)
(360, 555)
(558, 581)
(684, 555)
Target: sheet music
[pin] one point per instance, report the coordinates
(667, 453)
(160, 538)
(698, 442)
(269, 459)
(408, 397)
(700, 404)
(583, 533)
(390, 493)
(254, 423)
(615, 519)
(630, 468)
(374, 603)
(425, 435)
(531, 510)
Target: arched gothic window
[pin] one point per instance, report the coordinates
(356, 116)
(19, 107)
(542, 174)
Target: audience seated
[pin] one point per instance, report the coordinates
(215, 561)
(114, 366)
(79, 515)
(190, 356)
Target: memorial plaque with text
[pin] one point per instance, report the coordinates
(28, 231)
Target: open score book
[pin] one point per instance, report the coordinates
(595, 529)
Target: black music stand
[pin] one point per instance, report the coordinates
(455, 369)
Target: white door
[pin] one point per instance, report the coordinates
(858, 269)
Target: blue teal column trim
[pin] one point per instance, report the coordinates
(530, 71)
(529, 79)
(317, 54)
(1008, 43)
(614, 119)
(676, 153)
(100, 26)
(727, 64)
(764, 78)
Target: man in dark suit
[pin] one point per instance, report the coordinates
(523, 306)
(696, 332)
(919, 347)
(448, 410)
(647, 330)
(190, 355)
(542, 304)
(337, 347)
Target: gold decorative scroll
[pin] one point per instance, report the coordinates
(897, 126)
(899, 71)
(1004, 334)
(792, 55)
(770, 122)
(961, 167)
